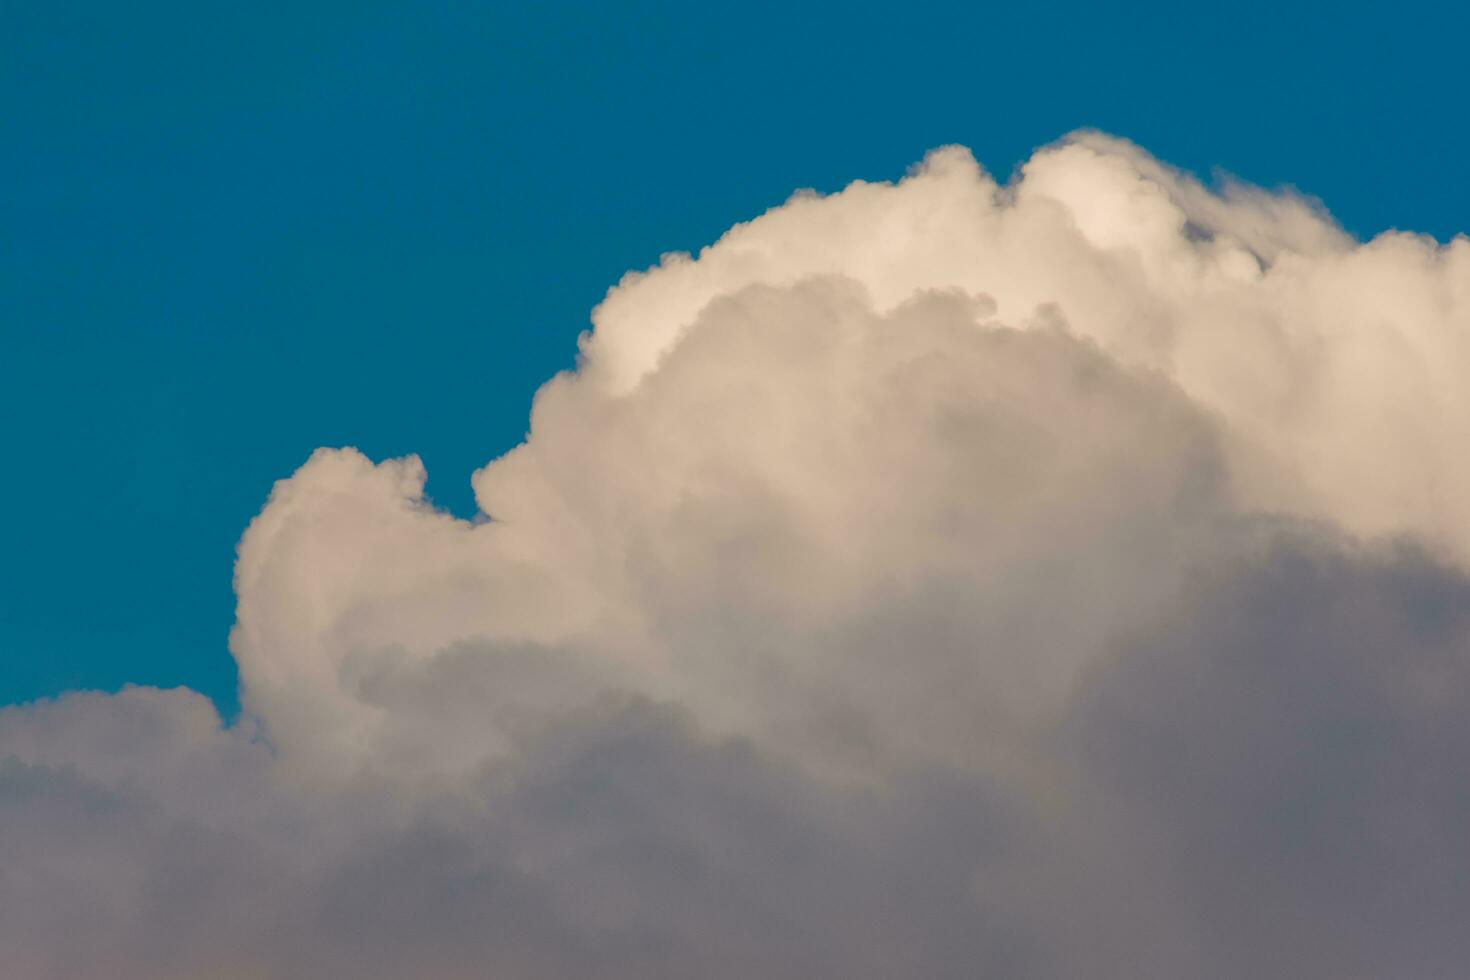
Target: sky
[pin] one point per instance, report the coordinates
(679, 492)
(234, 233)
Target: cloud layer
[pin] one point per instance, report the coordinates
(1062, 578)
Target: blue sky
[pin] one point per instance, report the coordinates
(230, 234)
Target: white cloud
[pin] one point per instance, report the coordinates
(893, 586)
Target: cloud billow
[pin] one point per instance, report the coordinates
(942, 578)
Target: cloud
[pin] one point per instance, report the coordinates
(936, 578)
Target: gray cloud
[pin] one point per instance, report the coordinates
(1288, 751)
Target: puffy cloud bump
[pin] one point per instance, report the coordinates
(1062, 578)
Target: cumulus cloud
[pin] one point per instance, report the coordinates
(1069, 577)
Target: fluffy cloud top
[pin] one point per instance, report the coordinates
(1062, 578)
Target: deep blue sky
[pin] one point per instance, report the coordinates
(230, 233)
